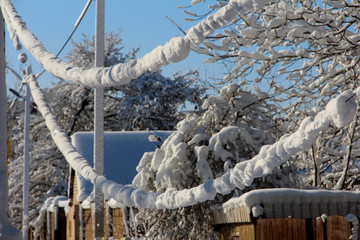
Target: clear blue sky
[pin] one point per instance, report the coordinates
(143, 24)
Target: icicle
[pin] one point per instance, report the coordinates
(125, 216)
(82, 222)
(48, 224)
(56, 215)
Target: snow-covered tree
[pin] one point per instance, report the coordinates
(230, 128)
(150, 102)
(301, 53)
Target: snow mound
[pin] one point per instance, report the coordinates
(342, 109)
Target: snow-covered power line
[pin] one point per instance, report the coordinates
(175, 50)
(339, 111)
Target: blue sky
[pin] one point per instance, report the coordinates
(143, 24)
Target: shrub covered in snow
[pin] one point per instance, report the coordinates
(230, 128)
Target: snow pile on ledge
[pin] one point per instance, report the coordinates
(285, 202)
(50, 205)
(242, 175)
(284, 196)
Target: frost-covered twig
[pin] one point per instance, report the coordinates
(338, 111)
(340, 184)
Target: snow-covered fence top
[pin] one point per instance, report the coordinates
(340, 110)
(175, 50)
(284, 203)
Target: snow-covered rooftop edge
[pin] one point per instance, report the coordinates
(175, 50)
(340, 110)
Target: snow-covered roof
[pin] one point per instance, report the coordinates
(122, 153)
(285, 202)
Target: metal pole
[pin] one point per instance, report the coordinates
(6, 230)
(98, 217)
(26, 166)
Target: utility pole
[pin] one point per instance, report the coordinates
(26, 166)
(98, 209)
(6, 230)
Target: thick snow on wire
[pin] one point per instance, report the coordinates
(175, 50)
(341, 110)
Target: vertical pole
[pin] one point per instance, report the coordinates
(6, 230)
(25, 227)
(98, 223)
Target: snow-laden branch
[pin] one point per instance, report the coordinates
(340, 111)
(176, 50)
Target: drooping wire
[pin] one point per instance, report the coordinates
(76, 25)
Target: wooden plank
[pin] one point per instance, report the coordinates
(52, 223)
(239, 214)
(73, 223)
(280, 228)
(75, 190)
(297, 227)
(237, 231)
(262, 229)
(317, 229)
(337, 228)
(88, 224)
(118, 226)
(59, 233)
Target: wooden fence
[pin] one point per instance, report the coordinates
(334, 228)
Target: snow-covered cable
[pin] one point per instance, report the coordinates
(340, 111)
(60, 138)
(176, 50)
(173, 51)
(14, 38)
